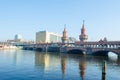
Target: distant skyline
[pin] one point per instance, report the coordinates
(26, 17)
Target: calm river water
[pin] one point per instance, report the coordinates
(30, 65)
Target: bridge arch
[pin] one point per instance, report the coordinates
(76, 51)
(103, 52)
(38, 49)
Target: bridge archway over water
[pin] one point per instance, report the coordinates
(38, 49)
(76, 51)
(103, 52)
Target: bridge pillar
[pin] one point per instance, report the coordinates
(46, 49)
(118, 60)
(118, 56)
(89, 51)
(63, 50)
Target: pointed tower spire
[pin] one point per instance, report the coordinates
(83, 36)
(65, 28)
(83, 24)
(83, 30)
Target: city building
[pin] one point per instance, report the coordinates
(47, 37)
(83, 36)
(18, 38)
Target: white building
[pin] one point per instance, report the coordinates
(47, 37)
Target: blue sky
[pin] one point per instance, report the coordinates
(26, 17)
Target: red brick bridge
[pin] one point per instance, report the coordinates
(84, 47)
(93, 47)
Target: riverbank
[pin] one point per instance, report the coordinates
(7, 47)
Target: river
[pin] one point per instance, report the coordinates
(31, 65)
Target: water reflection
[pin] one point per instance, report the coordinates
(55, 66)
(50, 62)
(63, 65)
(47, 60)
(103, 76)
(42, 59)
(82, 66)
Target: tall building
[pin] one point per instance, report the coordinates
(83, 36)
(47, 37)
(65, 36)
(18, 38)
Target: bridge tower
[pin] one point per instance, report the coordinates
(65, 36)
(83, 36)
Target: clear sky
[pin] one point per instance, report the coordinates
(26, 17)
